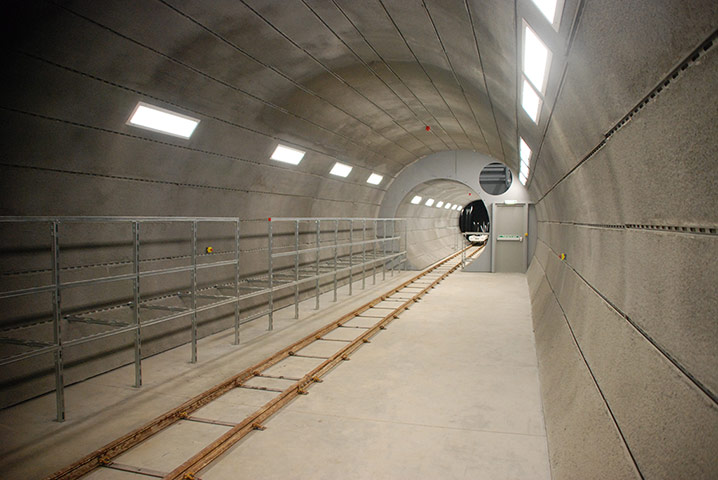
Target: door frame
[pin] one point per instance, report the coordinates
(494, 234)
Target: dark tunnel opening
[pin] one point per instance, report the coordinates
(475, 218)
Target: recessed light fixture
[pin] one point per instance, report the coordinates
(161, 120)
(523, 173)
(457, 207)
(548, 8)
(375, 179)
(416, 199)
(439, 204)
(510, 202)
(447, 206)
(429, 202)
(287, 154)
(341, 170)
(530, 101)
(536, 57)
(524, 151)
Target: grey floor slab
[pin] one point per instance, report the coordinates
(450, 390)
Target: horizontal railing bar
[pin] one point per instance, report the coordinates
(148, 323)
(27, 291)
(115, 278)
(25, 355)
(331, 273)
(24, 343)
(163, 307)
(326, 247)
(346, 219)
(15, 219)
(96, 321)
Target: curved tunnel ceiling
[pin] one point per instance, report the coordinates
(354, 82)
(440, 190)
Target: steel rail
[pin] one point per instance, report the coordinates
(254, 421)
(104, 455)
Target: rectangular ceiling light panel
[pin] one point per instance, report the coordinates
(161, 120)
(416, 199)
(524, 168)
(530, 101)
(287, 154)
(536, 58)
(524, 151)
(440, 204)
(375, 179)
(429, 202)
(447, 206)
(341, 170)
(548, 8)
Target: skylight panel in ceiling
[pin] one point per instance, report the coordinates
(375, 179)
(530, 101)
(536, 58)
(341, 170)
(522, 178)
(416, 199)
(524, 169)
(524, 151)
(161, 120)
(549, 9)
(287, 154)
(429, 202)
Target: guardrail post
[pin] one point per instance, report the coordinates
(406, 245)
(296, 269)
(236, 283)
(376, 238)
(336, 253)
(136, 303)
(393, 242)
(383, 243)
(56, 323)
(270, 276)
(316, 282)
(194, 292)
(351, 252)
(363, 254)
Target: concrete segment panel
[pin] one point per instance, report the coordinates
(583, 440)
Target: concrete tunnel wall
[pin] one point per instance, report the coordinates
(626, 326)
(623, 174)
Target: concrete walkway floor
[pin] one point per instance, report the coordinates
(449, 390)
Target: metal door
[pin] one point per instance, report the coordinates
(509, 226)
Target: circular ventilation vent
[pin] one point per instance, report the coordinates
(495, 178)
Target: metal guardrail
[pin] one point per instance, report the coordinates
(383, 250)
(338, 267)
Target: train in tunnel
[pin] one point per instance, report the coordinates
(166, 160)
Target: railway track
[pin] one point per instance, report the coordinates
(381, 311)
